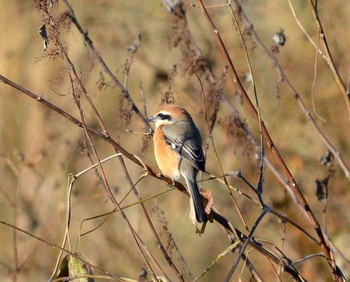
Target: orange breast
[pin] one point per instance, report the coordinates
(167, 159)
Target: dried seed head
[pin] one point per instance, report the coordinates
(279, 38)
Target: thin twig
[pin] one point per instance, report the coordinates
(244, 246)
(124, 90)
(330, 60)
(313, 85)
(261, 151)
(70, 67)
(109, 214)
(218, 258)
(217, 217)
(307, 257)
(103, 64)
(217, 156)
(294, 93)
(318, 50)
(57, 247)
(150, 223)
(66, 237)
(296, 188)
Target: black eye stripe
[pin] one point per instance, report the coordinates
(163, 116)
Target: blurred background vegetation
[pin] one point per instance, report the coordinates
(39, 148)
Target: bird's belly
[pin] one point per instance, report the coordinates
(168, 162)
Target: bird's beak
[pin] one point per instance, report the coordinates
(151, 119)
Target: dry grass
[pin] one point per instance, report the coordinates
(39, 148)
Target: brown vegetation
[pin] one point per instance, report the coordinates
(267, 84)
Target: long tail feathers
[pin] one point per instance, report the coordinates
(201, 216)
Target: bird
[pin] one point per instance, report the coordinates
(178, 151)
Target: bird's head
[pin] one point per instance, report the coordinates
(170, 114)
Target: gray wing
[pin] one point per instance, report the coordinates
(188, 145)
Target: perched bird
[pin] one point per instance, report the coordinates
(178, 150)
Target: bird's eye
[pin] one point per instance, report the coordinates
(163, 116)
